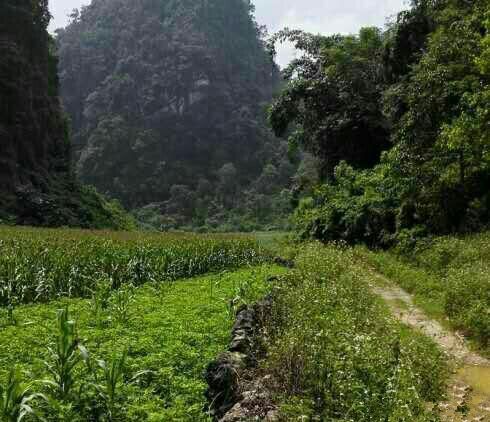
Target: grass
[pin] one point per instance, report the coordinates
(171, 332)
(336, 352)
(272, 240)
(449, 278)
(111, 327)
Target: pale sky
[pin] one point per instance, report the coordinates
(317, 16)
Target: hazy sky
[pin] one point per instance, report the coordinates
(318, 16)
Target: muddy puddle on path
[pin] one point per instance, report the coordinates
(468, 398)
(478, 377)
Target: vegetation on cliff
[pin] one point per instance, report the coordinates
(167, 101)
(37, 185)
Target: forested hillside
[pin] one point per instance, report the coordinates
(400, 123)
(167, 102)
(36, 182)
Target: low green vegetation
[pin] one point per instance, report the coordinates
(336, 352)
(132, 354)
(41, 265)
(111, 326)
(449, 276)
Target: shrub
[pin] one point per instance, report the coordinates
(356, 206)
(378, 208)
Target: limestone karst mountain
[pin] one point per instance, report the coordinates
(167, 100)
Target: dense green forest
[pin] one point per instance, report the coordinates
(167, 105)
(37, 185)
(399, 121)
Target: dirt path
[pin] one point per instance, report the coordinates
(469, 391)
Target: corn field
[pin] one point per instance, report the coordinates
(42, 265)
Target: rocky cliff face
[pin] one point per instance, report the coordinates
(37, 186)
(167, 96)
(34, 147)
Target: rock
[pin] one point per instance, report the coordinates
(222, 378)
(284, 262)
(241, 342)
(243, 331)
(272, 416)
(227, 401)
(245, 320)
(236, 414)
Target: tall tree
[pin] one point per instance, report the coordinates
(332, 104)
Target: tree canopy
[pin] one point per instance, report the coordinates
(419, 92)
(332, 105)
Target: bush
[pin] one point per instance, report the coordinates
(375, 207)
(356, 206)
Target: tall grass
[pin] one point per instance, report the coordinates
(337, 353)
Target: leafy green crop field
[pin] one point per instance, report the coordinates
(98, 325)
(450, 278)
(169, 331)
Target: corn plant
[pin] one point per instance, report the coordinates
(11, 319)
(10, 299)
(241, 296)
(100, 300)
(65, 355)
(101, 294)
(121, 301)
(162, 288)
(112, 376)
(39, 266)
(108, 384)
(16, 398)
(232, 306)
(243, 290)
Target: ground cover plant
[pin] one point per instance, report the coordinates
(41, 265)
(450, 278)
(148, 365)
(337, 354)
